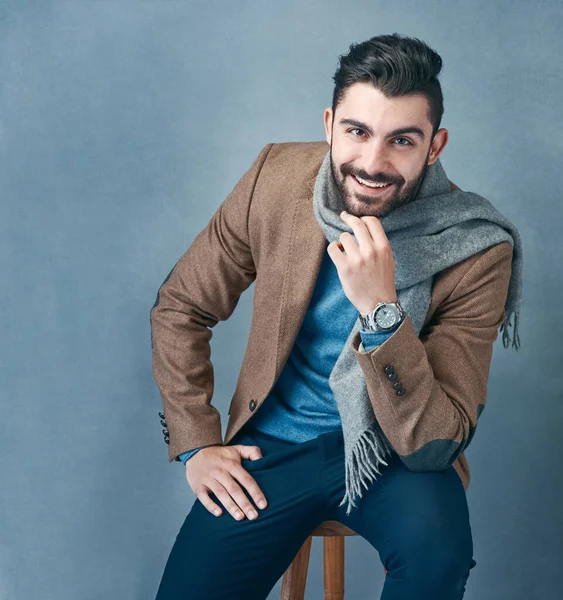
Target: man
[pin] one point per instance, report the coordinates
(368, 355)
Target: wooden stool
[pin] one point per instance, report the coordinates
(295, 578)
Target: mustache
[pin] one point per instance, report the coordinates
(377, 178)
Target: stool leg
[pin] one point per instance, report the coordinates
(334, 567)
(295, 577)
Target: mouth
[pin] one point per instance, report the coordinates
(374, 188)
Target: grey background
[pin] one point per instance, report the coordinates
(123, 126)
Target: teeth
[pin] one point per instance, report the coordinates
(371, 184)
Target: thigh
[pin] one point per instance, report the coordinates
(419, 524)
(219, 557)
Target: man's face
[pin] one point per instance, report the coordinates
(382, 141)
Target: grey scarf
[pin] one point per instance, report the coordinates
(438, 229)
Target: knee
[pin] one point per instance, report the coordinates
(437, 559)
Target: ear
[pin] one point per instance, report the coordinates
(438, 144)
(328, 124)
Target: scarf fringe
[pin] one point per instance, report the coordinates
(506, 334)
(359, 465)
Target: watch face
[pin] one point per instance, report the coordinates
(386, 317)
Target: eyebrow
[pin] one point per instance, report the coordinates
(403, 130)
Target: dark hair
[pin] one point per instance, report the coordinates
(395, 64)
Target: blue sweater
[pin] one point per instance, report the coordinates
(301, 404)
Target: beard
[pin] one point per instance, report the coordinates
(364, 205)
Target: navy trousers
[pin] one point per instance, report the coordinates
(417, 522)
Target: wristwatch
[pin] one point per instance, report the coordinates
(383, 317)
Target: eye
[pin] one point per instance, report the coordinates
(408, 142)
(357, 129)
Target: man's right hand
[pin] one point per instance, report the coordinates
(218, 469)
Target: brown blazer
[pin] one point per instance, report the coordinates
(266, 232)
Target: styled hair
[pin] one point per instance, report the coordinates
(398, 66)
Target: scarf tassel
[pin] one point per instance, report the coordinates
(506, 334)
(359, 467)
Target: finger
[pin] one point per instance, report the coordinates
(349, 244)
(251, 452)
(226, 499)
(376, 231)
(359, 228)
(237, 494)
(252, 487)
(334, 250)
(212, 507)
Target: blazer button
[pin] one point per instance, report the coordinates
(401, 392)
(397, 386)
(252, 404)
(167, 440)
(163, 423)
(392, 376)
(389, 369)
(165, 432)
(161, 415)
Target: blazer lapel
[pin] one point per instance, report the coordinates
(306, 249)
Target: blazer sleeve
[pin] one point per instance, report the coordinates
(202, 288)
(444, 372)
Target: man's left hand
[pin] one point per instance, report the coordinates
(366, 269)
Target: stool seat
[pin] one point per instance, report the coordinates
(295, 577)
(332, 528)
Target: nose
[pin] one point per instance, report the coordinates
(375, 159)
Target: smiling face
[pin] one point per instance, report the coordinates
(386, 143)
